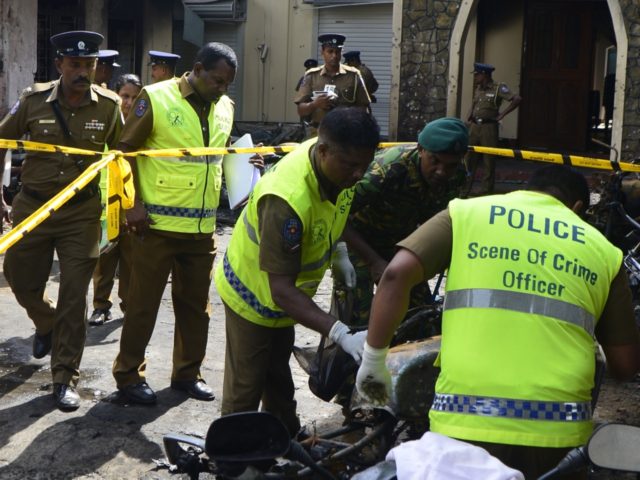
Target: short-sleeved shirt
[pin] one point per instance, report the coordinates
(279, 251)
(393, 199)
(140, 120)
(487, 100)
(369, 80)
(92, 125)
(432, 243)
(349, 88)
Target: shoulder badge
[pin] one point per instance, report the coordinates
(504, 88)
(314, 69)
(292, 233)
(351, 69)
(141, 107)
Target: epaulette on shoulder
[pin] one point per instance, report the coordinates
(314, 69)
(351, 69)
(38, 88)
(105, 92)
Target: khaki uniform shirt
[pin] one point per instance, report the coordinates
(279, 253)
(349, 88)
(369, 80)
(487, 100)
(432, 243)
(92, 125)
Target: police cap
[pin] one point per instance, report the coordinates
(108, 57)
(331, 40)
(157, 57)
(310, 63)
(77, 43)
(352, 55)
(483, 68)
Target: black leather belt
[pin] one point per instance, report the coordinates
(482, 121)
(83, 195)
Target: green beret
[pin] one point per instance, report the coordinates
(448, 135)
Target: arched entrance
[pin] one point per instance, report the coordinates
(552, 92)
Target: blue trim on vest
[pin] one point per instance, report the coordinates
(512, 408)
(184, 212)
(247, 295)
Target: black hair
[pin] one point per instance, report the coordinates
(211, 52)
(350, 127)
(565, 183)
(125, 78)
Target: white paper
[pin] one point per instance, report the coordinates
(239, 174)
(6, 178)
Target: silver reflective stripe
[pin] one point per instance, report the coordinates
(512, 408)
(520, 302)
(309, 267)
(213, 159)
(250, 230)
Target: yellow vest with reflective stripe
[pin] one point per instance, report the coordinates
(239, 281)
(181, 194)
(527, 283)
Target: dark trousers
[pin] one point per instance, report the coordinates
(73, 233)
(533, 462)
(118, 258)
(153, 259)
(256, 368)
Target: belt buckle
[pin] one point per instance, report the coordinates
(479, 121)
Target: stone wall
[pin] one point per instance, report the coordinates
(426, 34)
(424, 65)
(631, 129)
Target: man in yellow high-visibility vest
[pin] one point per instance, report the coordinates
(529, 286)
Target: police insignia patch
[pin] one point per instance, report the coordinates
(141, 107)
(292, 233)
(175, 118)
(15, 107)
(504, 89)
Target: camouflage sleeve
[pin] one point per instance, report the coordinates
(369, 187)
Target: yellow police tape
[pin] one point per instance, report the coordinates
(120, 190)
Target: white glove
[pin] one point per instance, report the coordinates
(352, 343)
(341, 266)
(373, 380)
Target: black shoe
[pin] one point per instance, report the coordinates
(65, 397)
(100, 316)
(197, 389)
(41, 345)
(139, 393)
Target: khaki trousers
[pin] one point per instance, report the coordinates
(256, 368)
(153, 259)
(119, 257)
(485, 135)
(73, 232)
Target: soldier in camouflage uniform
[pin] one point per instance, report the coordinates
(402, 188)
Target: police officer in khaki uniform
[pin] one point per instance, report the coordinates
(483, 122)
(69, 111)
(352, 59)
(331, 85)
(173, 219)
(163, 65)
(106, 64)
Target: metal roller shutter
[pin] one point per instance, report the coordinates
(368, 29)
(228, 33)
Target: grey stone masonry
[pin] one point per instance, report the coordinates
(424, 68)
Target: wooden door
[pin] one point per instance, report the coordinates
(556, 76)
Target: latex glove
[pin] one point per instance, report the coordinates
(350, 342)
(341, 266)
(373, 380)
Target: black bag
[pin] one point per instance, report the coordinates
(330, 369)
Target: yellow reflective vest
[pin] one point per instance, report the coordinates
(527, 283)
(181, 193)
(239, 281)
